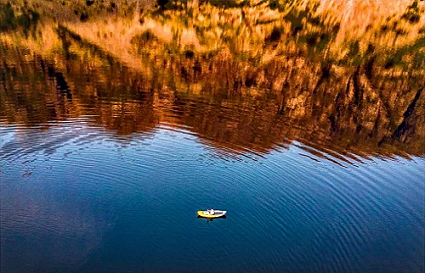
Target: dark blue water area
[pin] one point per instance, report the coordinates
(77, 198)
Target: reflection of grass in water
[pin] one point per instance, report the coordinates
(78, 10)
(240, 52)
(257, 29)
(314, 30)
(27, 19)
(412, 13)
(417, 60)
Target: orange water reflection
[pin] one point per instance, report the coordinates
(306, 78)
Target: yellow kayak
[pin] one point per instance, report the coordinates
(212, 213)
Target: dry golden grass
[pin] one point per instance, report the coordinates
(243, 32)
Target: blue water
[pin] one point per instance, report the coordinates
(78, 198)
(110, 145)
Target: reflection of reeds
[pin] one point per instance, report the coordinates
(248, 45)
(350, 68)
(360, 121)
(327, 30)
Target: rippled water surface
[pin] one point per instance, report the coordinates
(76, 197)
(116, 126)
